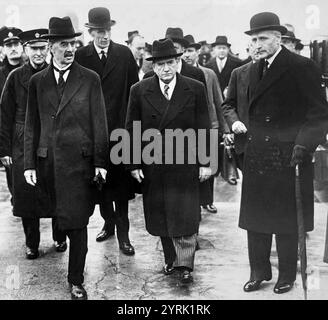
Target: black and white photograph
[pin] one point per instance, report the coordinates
(164, 150)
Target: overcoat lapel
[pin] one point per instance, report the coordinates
(73, 83)
(112, 59)
(93, 58)
(49, 87)
(276, 70)
(178, 100)
(26, 76)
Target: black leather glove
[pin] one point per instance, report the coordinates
(300, 156)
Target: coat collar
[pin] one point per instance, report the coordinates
(27, 73)
(178, 100)
(259, 86)
(73, 83)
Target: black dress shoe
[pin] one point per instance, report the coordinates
(78, 292)
(186, 277)
(61, 246)
(127, 248)
(168, 269)
(252, 285)
(211, 208)
(283, 287)
(31, 253)
(104, 234)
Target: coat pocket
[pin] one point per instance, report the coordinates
(42, 152)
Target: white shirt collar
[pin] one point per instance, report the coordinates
(179, 67)
(58, 67)
(99, 49)
(271, 59)
(56, 73)
(171, 86)
(223, 61)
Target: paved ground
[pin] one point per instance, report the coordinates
(221, 264)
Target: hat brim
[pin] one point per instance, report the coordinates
(31, 42)
(164, 57)
(279, 28)
(100, 26)
(60, 36)
(197, 46)
(221, 44)
(12, 39)
(291, 38)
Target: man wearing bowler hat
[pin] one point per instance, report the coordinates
(288, 118)
(176, 35)
(12, 119)
(223, 63)
(12, 50)
(66, 142)
(118, 71)
(168, 100)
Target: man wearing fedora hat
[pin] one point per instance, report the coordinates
(12, 115)
(223, 63)
(288, 118)
(217, 120)
(289, 40)
(176, 35)
(168, 100)
(12, 51)
(118, 71)
(66, 142)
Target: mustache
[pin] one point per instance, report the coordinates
(68, 54)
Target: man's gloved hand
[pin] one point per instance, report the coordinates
(300, 156)
(238, 127)
(228, 139)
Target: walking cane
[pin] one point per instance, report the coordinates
(301, 230)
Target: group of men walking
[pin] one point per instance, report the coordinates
(56, 120)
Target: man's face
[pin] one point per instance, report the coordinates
(178, 47)
(13, 50)
(221, 51)
(190, 55)
(166, 69)
(37, 52)
(266, 43)
(289, 44)
(252, 52)
(137, 47)
(63, 51)
(101, 37)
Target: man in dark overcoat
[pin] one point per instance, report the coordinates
(66, 142)
(12, 49)
(224, 62)
(288, 118)
(118, 71)
(12, 120)
(167, 101)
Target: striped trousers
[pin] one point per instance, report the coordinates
(180, 251)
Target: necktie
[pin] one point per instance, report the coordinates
(103, 58)
(166, 92)
(265, 67)
(61, 82)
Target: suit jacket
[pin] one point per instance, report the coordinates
(235, 106)
(118, 75)
(187, 71)
(224, 76)
(287, 107)
(65, 140)
(214, 100)
(170, 191)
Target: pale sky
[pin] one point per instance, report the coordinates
(204, 19)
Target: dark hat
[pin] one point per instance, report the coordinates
(290, 35)
(99, 18)
(163, 49)
(191, 42)
(176, 35)
(61, 28)
(265, 21)
(203, 43)
(221, 40)
(34, 35)
(8, 35)
(131, 35)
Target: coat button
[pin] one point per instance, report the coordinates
(53, 117)
(267, 138)
(249, 138)
(267, 119)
